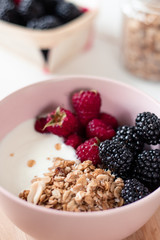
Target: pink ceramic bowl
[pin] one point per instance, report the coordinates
(118, 99)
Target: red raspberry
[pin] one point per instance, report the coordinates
(89, 151)
(97, 128)
(40, 124)
(61, 122)
(108, 119)
(73, 140)
(87, 105)
(17, 1)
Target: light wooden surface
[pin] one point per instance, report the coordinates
(150, 231)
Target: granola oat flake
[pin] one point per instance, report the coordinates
(75, 187)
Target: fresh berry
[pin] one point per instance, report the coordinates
(148, 127)
(61, 122)
(128, 136)
(8, 12)
(45, 22)
(108, 119)
(30, 9)
(147, 168)
(67, 11)
(73, 140)
(89, 151)
(49, 5)
(133, 190)
(116, 157)
(40, 124)
(97, 128)
(17, 1)
(87, 105)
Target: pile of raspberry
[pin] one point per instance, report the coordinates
(39, 14)
(127, 151)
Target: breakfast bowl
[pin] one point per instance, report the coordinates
(119, 100)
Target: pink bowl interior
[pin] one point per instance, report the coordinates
(122, 101)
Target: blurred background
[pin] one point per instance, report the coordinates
(102, 58)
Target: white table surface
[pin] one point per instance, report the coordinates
(102, 60)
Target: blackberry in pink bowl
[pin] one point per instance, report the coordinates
(133, 190)
(130, 156)
(148, 127)
(147, 168)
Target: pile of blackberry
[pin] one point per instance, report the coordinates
(38, 14)
(130, 155)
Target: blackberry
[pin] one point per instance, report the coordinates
(30, 9)
(133, 190)
(147, 168)
(8, 12)
(116, 157)
(148, 127)
(50, 5)
(128, 136)
(67, 11)
(45, 22)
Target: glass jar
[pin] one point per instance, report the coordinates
(141, 38)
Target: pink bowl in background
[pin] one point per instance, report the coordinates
(120, 100)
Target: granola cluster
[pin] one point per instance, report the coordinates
(76, 187)
(142, 45)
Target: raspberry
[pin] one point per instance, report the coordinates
(108, 119)
(148, 127)
(96, 128)
(128, 136)
(147, 168)
(73, 140)
(67, 11)
(40, 124)
(17, 1)
(87, 105)
(61, 122)
(45, 22)
(89, 151)
(116, 157)
(133, 190)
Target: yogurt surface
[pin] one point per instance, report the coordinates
(26, 154)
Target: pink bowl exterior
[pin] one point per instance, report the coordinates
(121, 100)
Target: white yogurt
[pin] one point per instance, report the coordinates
(22, 145)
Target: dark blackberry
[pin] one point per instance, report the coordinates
(67, 11)
(31, 9)
(50, 5)
(128, 136)
(147, 168)
(116, 157)
(133, 190)
(8, 12)
(148, 127)
(45, 22)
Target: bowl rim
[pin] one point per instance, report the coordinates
(113, 211)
